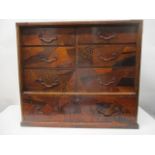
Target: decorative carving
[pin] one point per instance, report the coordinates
(89, 50)
(87, 54)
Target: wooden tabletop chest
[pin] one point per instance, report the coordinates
(79, 74)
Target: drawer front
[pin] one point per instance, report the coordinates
(49, 80)
(62, 108)
(49, 57)
(106, 55)
(106, 80)
(48, 36)
(107, 34)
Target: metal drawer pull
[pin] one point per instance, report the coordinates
(114, 56)
(51, 60)
(101, 82)
(47, 40)
(53, 84)
(107, 37)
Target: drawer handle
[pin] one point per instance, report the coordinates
(49, 60)
(101, 82)
(113, 57)
(43, 83)
(109, 109)
(47, 40)
(107, 37)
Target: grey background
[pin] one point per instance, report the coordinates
(9, 89)
(147, 85)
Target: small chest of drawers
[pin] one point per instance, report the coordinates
(79, 74)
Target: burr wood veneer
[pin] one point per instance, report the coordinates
(79, 74)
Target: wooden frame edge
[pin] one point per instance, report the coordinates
(77, 125)
(78, 23)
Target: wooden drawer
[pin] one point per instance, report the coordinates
(49, 57)
(106, 80)
(47, 36)
(81, 80)
(49, 80)
(107, 34)
(117, 111)
(106, 55)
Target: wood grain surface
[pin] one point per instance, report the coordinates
(79, 74)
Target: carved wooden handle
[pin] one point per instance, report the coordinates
(110, 110)
(113, 57)
(101, 82)
(107, 37)
(43, 83)
(51, 60)
(47, 40)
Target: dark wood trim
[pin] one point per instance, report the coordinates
(78, 93)
(78, 125)
(79, 23)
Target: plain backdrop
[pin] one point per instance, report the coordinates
(9, 89)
